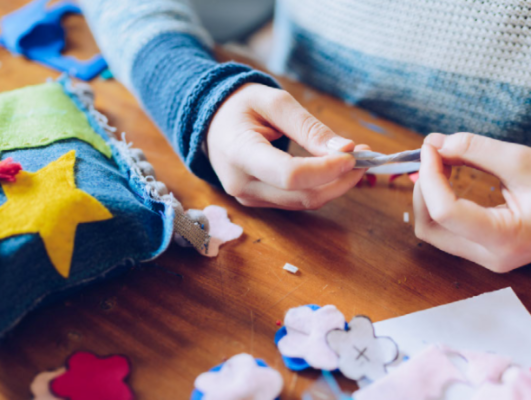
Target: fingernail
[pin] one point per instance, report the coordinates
(338, 143)
(435, 139)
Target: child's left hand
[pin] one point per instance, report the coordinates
(497, 238)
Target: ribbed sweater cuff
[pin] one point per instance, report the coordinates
(182, 86)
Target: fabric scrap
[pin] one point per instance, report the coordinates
(423, 377)
(362, 354)
(240, 378)
(485, 367)
(291, 268)
(40, 387)
(222, 230)
(89, 377)
(36, 116)
(306, 335)
(48, 202)
(9, 170)
(516, 385)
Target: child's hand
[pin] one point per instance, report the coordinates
(497, 238)
(258, 174)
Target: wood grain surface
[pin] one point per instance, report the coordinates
(355, 252)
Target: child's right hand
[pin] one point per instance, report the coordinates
(260, 175)
(497, 238)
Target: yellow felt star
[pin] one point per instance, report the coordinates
(47, 202)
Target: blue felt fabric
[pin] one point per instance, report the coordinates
(35, 31)
(197, 395)
(182, 86)
(140, 229)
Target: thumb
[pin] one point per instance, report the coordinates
(501, 159)
(286, 115)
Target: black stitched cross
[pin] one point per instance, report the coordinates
(361, 353)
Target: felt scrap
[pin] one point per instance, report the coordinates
(40, 387)
(483, 367)
(36, 116)
(516, 385)
(220, 228)
(240, 378)
(9, 170)
(290, 268)
(47, 202)
(362, 354)
(89, 377)
(306, 335)
(423, 377)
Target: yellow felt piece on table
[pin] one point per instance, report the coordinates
(36, 116)
(48, 202)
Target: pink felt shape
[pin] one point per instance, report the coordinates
(516, 385)
(240, 378)
(306, 335)
(9, 170)
(40, 387)
(485, 367)
(89, 377)
(423, 377)
(221, 229)
(361, 353)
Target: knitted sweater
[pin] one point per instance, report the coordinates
(430, 65)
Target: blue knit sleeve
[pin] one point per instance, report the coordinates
(182, 86)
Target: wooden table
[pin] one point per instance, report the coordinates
(356, 253)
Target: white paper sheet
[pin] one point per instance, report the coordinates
(493, 322)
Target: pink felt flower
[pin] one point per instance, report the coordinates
(89, 377)
(40, 387)
(240, 378)
(221, 229)
(306, 335)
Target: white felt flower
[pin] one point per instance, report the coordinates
(40, 387)
(240, 378)
(361, 354)
(221, 229)
(306, 335)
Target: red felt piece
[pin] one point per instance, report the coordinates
(371, 179)
(89, 377)
(393, 177)
(9, 170)
(414, 176)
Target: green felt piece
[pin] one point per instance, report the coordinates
(36, 116)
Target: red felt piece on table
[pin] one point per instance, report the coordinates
(371, 179)
(278, 323)
(9, 170)
(414, 176)
(89, 377)
(393, 177)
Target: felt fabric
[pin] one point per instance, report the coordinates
(306, 335)
(48, 202)
(89, 377)
(9, 170)
(222, 230)
(36, 116)
(40, 387)
(240, 378)
(35, 31)
(423, 377)
(516, 385)
(361, 353)
(485, 367)
(141, 227)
